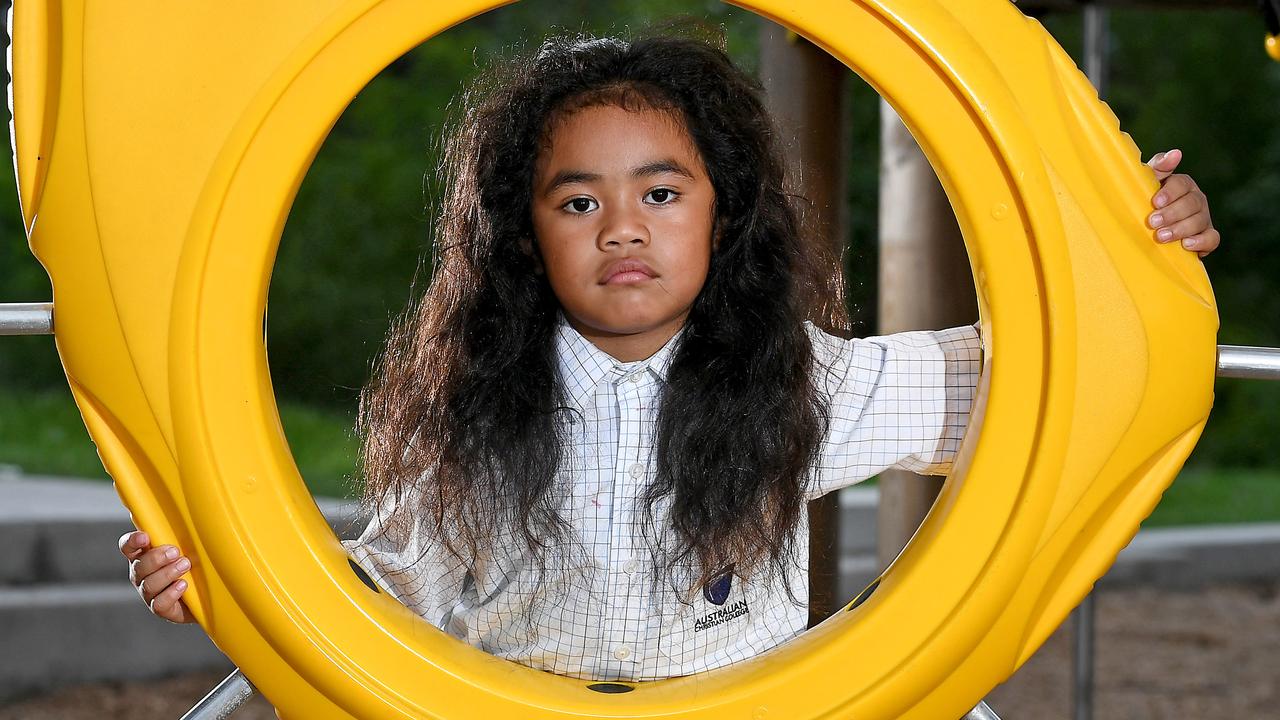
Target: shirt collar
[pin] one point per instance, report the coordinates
(583, 366)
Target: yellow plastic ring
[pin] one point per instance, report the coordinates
(159, 151)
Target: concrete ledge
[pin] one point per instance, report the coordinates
(57, 636)
(1189, 558)
(1174, 558)
(66, 530)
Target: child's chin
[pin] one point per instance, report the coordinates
(634, 325)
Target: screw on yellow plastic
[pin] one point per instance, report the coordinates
(159, 147)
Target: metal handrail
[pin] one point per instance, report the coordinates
(26, 318)
(223, 700)
(1253, 363)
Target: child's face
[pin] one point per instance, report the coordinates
(622, 211)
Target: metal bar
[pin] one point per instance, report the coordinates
(1254, 363)
(223, 700)
(26, 318)
(1082, 702)
(1097, 48)
(981, 712)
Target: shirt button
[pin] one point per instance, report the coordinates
(622, 653)
(629, 566)
(636, 470)
(633, 378)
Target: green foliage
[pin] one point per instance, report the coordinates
(42, 433)
(1219, 495)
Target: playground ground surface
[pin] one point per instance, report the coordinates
(1160, 655)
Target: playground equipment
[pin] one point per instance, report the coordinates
(155, 201)
(1271, 16)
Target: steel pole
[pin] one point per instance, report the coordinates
(26, 318)
(223, 700)
(982, 712)
(1253, 363)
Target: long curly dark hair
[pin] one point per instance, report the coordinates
(463, 422)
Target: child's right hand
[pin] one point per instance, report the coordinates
(156, 572)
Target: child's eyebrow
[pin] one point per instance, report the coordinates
(657, 167)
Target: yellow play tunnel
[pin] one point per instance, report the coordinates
(160, 144)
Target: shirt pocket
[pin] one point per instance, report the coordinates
(702, 634)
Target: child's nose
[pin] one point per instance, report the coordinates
(623, 227)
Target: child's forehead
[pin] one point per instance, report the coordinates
(607, 139)
(587, 119)
(630, 96)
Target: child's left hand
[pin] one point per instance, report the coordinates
(1182, 211)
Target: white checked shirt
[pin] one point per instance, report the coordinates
(896, 401)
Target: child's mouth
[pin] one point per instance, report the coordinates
(627, 271)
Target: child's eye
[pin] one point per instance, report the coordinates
(663, 196)
(579, 205)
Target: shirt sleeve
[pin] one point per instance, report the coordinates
(898, 401)
(399, 556)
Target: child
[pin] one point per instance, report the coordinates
(590, 446)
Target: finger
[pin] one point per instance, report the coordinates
(1173, 188)
(152, 585)
(151, 561)
(1204, 243)
(1164, 163)
(1190, 227)
(168, 604)
(1187, 206)
(132, 544)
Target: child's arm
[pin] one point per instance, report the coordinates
(156, 573)
(1181, 209)
(903, 401)
(898, 401)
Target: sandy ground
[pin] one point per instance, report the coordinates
(1160, 654)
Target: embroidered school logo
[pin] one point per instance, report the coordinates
(721, 616)
(716, 591)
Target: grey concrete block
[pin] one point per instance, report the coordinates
(1189, 558)
(59, 636)
(51, 551)
(65, 530)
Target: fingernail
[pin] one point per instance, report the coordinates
(1187, 243)
(1165, 235)
(180, 585)
(1157, 220)
(170, 553)
(182, 565)
(1161, 200)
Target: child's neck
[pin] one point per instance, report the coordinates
(629, 347)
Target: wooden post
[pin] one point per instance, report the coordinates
(925, 284)
(804, 87)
